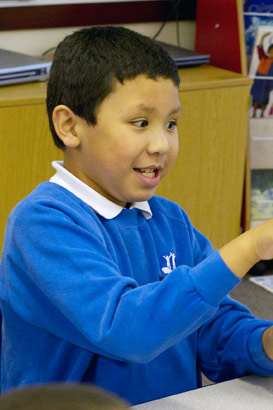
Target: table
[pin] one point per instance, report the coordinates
(250, 392)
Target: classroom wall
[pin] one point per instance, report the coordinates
(36, 42)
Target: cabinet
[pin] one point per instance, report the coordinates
(26, 148)
(207, 179)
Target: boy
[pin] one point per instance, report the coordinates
(102, 281)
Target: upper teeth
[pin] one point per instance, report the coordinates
(148, 172)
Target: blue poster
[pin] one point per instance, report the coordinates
(256, 13)
(258, 6)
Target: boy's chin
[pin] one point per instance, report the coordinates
(143, 198)
(135, 197)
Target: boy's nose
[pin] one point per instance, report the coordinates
(158, 144)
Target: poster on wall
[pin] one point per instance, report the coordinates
(258, 18)
(261, 70)
(257, 13)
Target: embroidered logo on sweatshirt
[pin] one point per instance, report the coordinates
(167, 264)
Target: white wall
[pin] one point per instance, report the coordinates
(36, 42)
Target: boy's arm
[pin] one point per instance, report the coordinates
(249, 248)
(267, 341)
(230, 343)
(246, 250)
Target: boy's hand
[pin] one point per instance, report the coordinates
(263, 240)
(249, 248)
(267, 341)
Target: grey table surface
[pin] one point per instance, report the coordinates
(246, 393)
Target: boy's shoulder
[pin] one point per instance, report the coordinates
(46, 195)
(44, 191)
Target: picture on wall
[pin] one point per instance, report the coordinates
(257, 13)
(261, 70)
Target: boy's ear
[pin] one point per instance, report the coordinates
(65, 123)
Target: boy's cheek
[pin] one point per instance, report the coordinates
(173, 155)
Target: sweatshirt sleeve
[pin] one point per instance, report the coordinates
(230, 343)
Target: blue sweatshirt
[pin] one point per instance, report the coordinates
(137, 306)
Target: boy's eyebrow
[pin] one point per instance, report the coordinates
(143, 107)
(176, 110)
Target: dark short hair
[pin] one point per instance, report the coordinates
(88, 62)
(61, 397)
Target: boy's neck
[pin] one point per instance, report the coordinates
(128, 205)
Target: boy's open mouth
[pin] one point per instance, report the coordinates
(148, 172)
(148, 176)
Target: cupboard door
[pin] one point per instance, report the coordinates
(207, 178)
(26, 153)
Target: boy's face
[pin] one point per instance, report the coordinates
(134, 143)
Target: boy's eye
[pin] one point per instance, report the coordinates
(140, 123)
(172, 125)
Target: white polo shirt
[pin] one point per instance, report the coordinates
(96, 201)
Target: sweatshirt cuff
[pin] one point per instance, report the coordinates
(213, 279)
(256, 350)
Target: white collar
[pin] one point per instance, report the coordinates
(99, 203)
